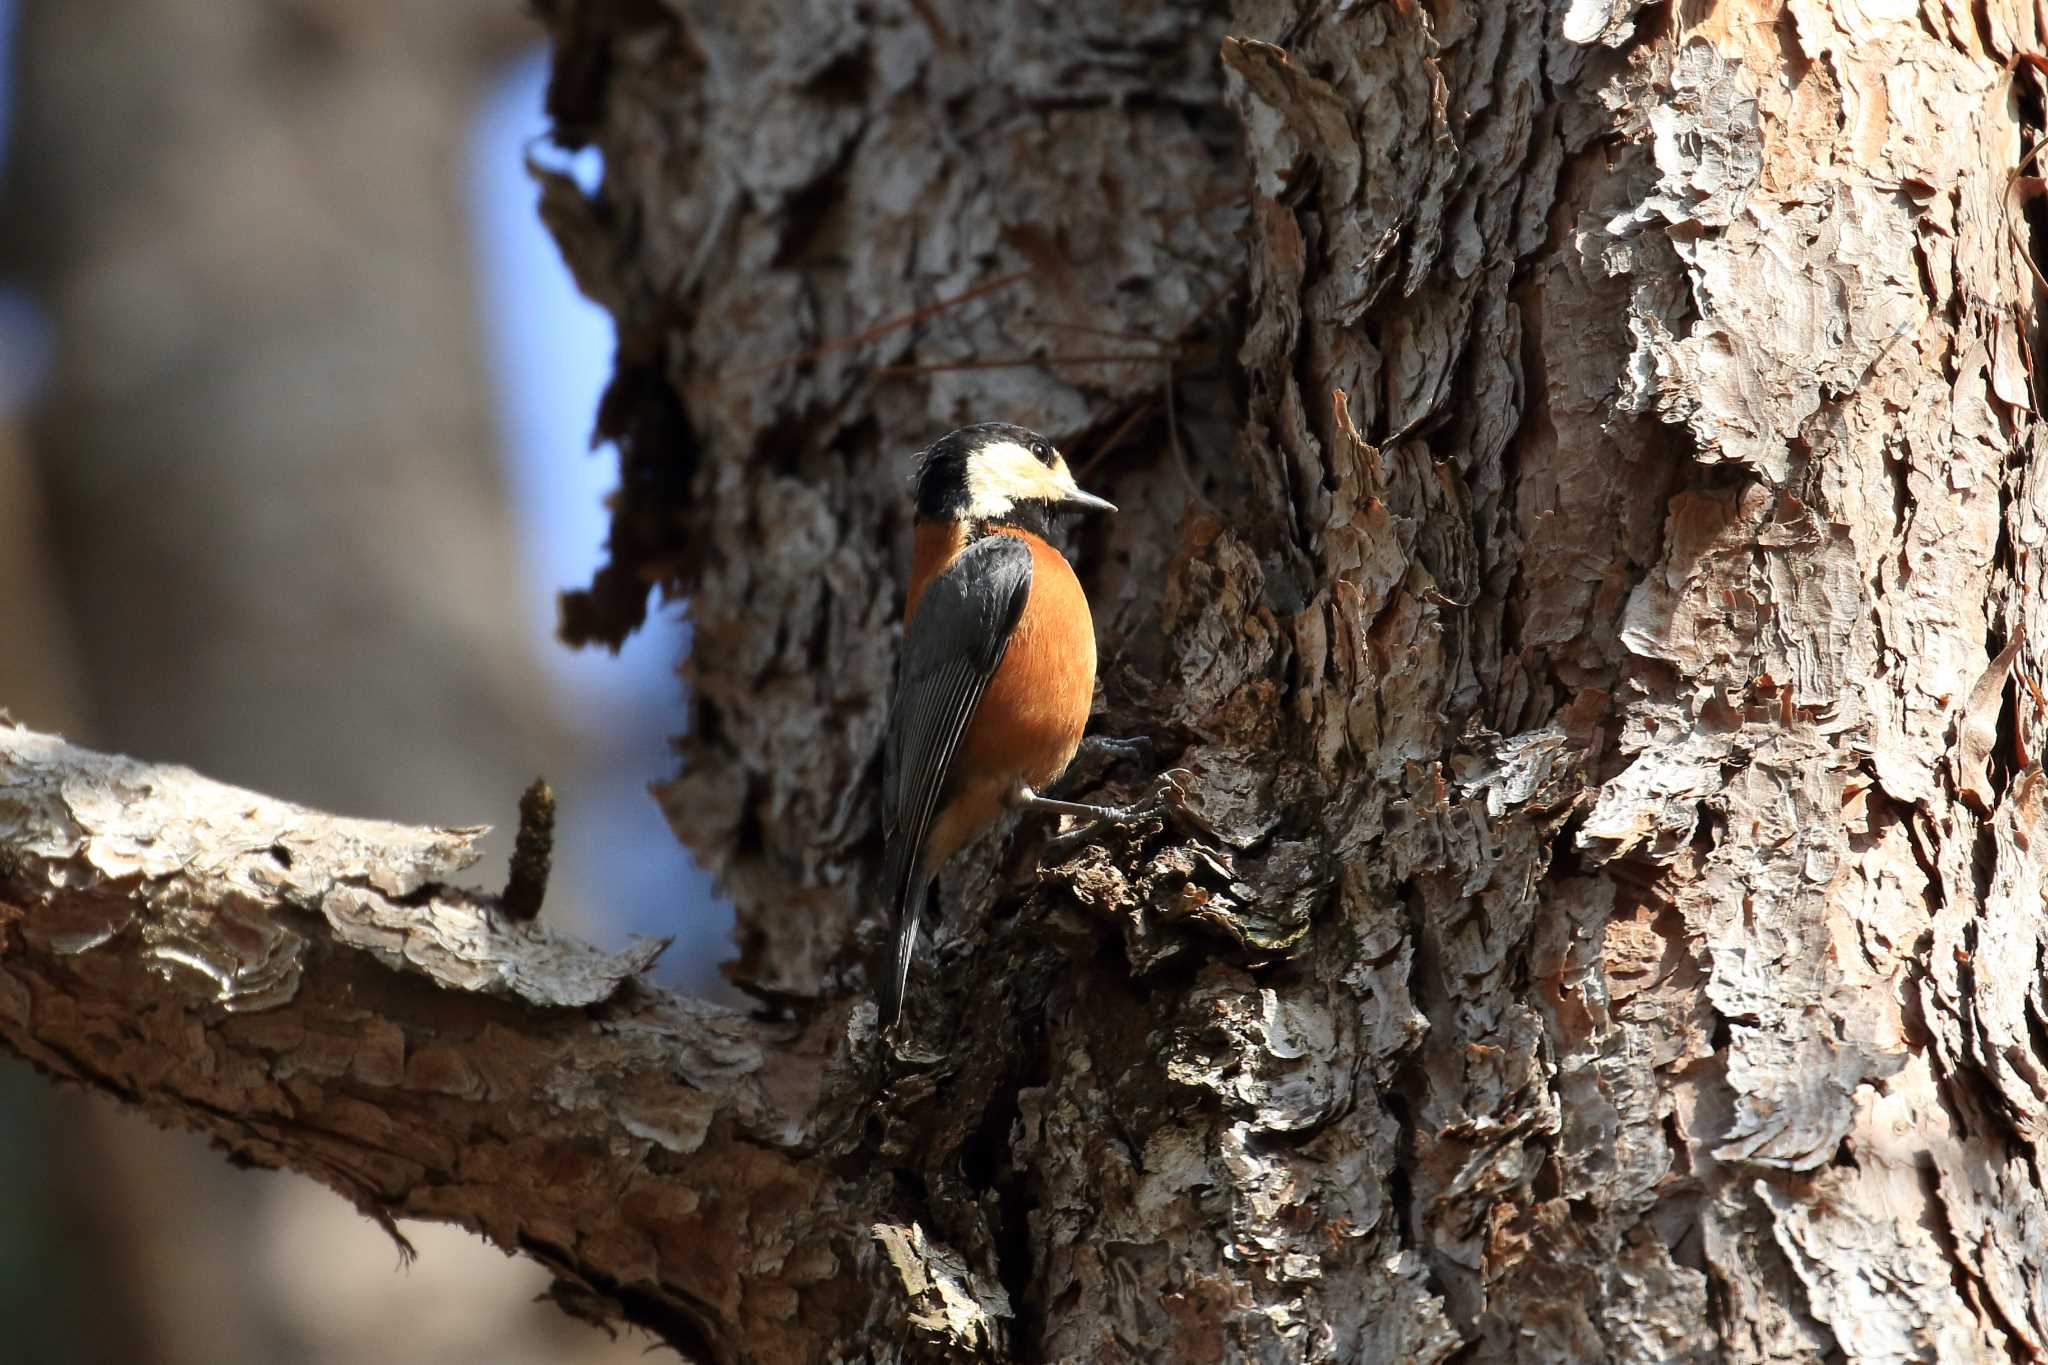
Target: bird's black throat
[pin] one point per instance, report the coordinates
(1035, 517)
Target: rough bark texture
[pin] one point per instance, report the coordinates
(305, 989)
(1581, 530)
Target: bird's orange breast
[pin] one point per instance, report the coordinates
(1030, 720)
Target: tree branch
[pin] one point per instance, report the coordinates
(307, 990)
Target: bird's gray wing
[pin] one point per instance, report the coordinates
(951, 649)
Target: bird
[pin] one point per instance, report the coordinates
(998, 664)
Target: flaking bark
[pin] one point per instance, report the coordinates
(308, 991)
(1582, 526)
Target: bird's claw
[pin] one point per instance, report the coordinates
(1169, 793)
(1172, 788)
(1072, 838)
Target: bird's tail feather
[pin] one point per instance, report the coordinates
(908, 889)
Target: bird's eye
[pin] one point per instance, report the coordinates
(1043, 452)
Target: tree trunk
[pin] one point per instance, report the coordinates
(1580, 530)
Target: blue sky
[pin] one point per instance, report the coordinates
(549, 351)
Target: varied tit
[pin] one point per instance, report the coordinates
(998, 663)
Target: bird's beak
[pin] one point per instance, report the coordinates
(1075, 497)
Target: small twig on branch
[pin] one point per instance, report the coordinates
(533, 853)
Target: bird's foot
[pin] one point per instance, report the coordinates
(1169, 793)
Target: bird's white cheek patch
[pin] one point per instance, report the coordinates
(1001, 476)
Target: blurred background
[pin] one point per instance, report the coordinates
(294, 403)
